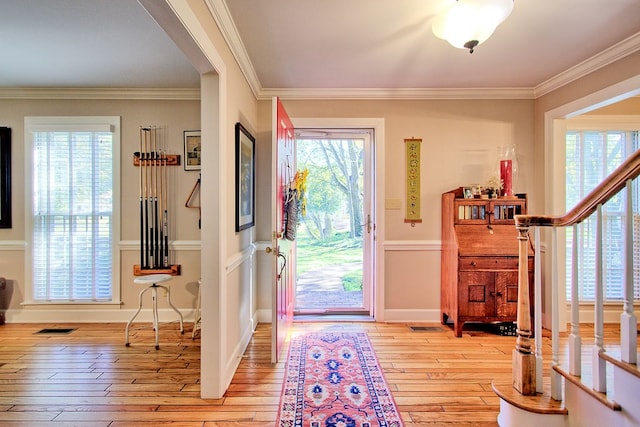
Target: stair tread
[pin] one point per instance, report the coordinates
(583, 381)
(541, 403)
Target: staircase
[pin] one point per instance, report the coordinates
(583, 385)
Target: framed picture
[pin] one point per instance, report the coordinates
(191, 150)
(468, 192)
(245, 178)
(5, 177)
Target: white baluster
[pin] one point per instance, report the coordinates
(537, 280)
(575, 342)
(628, 321)
(599, 364)
(556, 379)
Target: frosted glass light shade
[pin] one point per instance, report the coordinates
(468, 20)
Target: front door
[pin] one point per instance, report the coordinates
(284, 166)
(334, 255)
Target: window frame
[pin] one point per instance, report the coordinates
(71, 123)
(586, 123)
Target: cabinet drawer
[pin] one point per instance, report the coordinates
(488, 263)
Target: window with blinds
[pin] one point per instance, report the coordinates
(590, 157)
(73, 182)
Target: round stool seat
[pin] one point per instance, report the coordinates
(152, 278)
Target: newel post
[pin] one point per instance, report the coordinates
(524, 359)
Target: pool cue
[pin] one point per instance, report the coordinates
(141, 204)
(165, 212)
(154, 208)
(160, 205)
(147, 189)
(156, 220)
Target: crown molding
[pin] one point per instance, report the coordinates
(608, 56)
(222, 16)
(172, 94)
(398, 93)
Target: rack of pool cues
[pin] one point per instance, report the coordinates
(153, 160)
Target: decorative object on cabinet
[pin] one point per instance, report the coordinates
(5, 177)
(493, 187)
(192, 156)
(479, 265)
(245, 178)
(412, 154)
(508, 168)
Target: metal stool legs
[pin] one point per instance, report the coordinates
(154, 298)
(196, 316)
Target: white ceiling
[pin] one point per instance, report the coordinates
(311, 45)
(87, 43)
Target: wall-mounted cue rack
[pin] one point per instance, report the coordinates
(153, 160)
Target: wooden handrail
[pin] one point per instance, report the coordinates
(608, 188)
(524, 363)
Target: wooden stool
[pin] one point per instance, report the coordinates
(152, 280)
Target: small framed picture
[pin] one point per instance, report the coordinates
(467, 192)
(191, 150)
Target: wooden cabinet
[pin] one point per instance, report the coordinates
(479, 274)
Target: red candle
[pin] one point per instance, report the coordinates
(505, 176)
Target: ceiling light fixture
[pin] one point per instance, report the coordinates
(467, 23)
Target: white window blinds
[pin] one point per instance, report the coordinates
(72, 211)
(590, 157)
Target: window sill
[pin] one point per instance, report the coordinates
(71, 303)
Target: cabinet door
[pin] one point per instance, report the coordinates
(476, 297)
(506, 292)
(504, 211)
(471, 211)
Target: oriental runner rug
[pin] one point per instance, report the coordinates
(333, 379)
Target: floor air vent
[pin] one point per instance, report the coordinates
(426, 329)
(55, 331)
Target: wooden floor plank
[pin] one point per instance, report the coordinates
(90, 378)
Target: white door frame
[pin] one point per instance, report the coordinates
(377, 124)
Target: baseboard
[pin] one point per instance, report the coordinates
(263, 315)
(234, 359)
(34, 315)
(391, 316)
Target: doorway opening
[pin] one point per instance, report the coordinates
(334, 260)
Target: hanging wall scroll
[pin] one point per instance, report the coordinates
(412, 153)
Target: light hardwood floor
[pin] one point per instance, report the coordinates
(89, 377)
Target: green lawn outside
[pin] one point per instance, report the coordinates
(314, 255)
